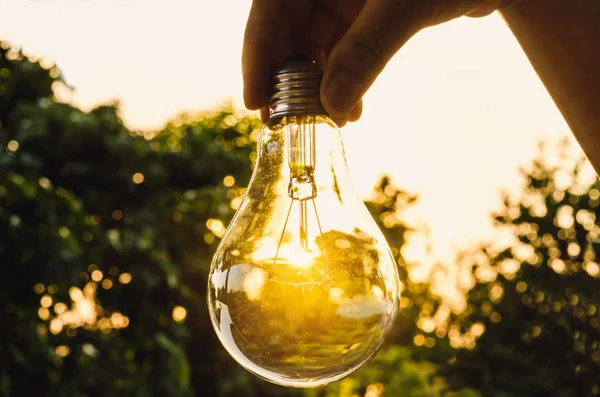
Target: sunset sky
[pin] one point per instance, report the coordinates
(455, 113)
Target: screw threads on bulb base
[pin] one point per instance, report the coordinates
(296, 88)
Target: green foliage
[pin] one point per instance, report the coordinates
(394, 372)
(538, 299)
(22, 81)
(87, 204)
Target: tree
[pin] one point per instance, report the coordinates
(100, 243)
(531, 326)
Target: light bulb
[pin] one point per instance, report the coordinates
(303, 287)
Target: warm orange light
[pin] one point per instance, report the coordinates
(39, 288)
(125, 278)
(13, 146)
(228, 181)
(138, 178)
(43, 313)
(62, 351)
(60, 308)
(97, 275)
(179, 313)
(46, 301)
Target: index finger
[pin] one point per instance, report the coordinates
(266, 40)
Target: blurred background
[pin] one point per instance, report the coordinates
(125, 151)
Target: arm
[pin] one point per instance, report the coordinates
(562, 41)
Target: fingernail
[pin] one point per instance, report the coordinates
(343, 92)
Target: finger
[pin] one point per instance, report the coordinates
(346, 10)
(444, 11)
(323, 29)
(380, 29)
(264, 114)
(485, 8)
(356, 112)
(328, 22)
(267, 34)
(340, 121)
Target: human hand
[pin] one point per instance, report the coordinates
(351, 40)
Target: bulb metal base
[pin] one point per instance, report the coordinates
(296, 88)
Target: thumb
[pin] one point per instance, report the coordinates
(381, 28)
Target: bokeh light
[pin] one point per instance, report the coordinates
(125, 278)
(13, 146)
(179, 313)
(138, 178)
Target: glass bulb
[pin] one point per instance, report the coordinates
(303, 287)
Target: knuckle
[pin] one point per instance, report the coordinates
(366, 53)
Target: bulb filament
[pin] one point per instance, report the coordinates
(303, 225)
(302, 186)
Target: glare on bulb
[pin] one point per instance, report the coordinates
(303, 287)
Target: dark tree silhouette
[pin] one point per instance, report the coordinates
(538, 299)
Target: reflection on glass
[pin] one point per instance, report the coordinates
(303, 288)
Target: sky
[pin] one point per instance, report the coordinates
(452, 117)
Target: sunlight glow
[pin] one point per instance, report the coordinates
(254, 282)
(289, 253)
(297, 257)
